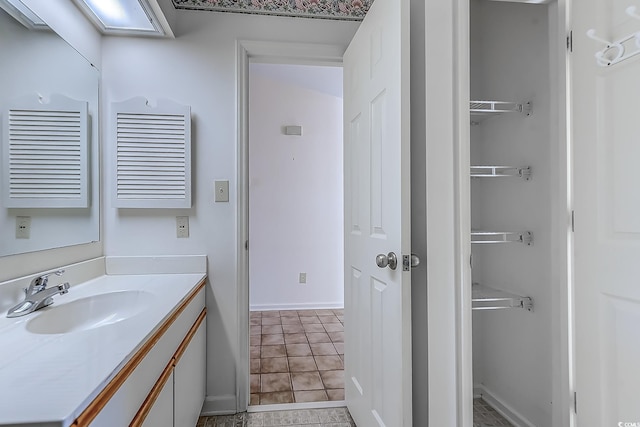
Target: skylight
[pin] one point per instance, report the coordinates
(126, 17)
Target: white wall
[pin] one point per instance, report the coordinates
(198, 68)
(295, 187)
(513, 348)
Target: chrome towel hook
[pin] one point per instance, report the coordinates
(632, 12)
(615, 51)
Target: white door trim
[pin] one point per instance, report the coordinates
(270, 52)
(447, 213)
(462, 221)
(562, 205)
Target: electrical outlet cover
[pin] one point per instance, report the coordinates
(23, 227)
(182, 226)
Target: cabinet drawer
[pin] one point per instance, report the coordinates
(161, 413)
(190, 380)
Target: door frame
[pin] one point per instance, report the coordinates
(268, 52)
(561, 207)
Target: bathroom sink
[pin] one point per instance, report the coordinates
(90, 312)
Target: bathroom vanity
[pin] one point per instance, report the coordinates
(116, 350)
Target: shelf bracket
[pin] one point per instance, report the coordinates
(500, 171)
(485, 298)
(483, 109)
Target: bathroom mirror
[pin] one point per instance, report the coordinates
(37, 63)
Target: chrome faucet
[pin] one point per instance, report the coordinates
(38, 295)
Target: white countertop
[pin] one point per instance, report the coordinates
(49, 379)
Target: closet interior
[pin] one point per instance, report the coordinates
(512, 141)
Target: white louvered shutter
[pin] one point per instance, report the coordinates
(153, 154)
(45, 158)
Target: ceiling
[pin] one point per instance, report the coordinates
(349, 10)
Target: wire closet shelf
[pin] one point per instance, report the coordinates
(500, 172)
(481, 110)
(486, 298)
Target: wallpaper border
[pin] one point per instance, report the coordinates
(342, 10)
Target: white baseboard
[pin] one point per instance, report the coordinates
(298, 306)
(219, 405)
(477, 392)
(513, 416)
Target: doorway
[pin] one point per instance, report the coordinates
(295, 206)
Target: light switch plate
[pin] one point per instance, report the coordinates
(222, 191)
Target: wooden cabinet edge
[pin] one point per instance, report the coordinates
(94, 408)
(148, 403)
(152, 396)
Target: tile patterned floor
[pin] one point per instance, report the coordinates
(329, 417)
(297, 356)
(485, 416)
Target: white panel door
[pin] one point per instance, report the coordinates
(377, 218)
(606, 144)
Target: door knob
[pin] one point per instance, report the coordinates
(415, 260)
(390, 260)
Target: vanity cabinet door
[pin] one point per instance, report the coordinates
(161, 414)
(189, 380)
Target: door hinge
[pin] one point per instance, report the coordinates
(575, 402)
(573, 221)
(570, 41)
(246, 245)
